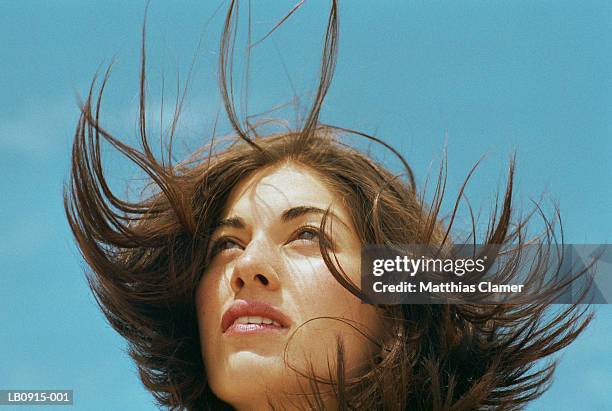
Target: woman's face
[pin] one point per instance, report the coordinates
(267, 278)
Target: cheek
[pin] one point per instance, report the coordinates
(337, 314)
(209, 300)
(316, 290)
(212, 293)
(330, 296)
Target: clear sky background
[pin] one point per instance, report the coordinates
(497, 77)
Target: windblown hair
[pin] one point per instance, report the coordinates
(147, 257)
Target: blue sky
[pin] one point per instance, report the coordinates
(531, 77)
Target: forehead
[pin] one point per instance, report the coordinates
(276, 188)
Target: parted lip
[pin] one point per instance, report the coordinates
(241, 308)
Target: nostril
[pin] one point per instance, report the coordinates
(263, 279)
(240, 282)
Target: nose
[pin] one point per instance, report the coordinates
(254, 268)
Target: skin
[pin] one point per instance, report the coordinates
(279, 262)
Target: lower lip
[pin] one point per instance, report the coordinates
(246, 329)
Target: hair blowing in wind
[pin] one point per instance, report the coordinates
(145, 258)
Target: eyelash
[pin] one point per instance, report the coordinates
(216, 246)
(306, 229)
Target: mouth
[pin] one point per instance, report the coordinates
(248, 317)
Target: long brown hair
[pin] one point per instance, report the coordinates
(146, 258)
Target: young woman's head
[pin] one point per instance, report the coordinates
(267, 301)
(237, 284)
(276, 217)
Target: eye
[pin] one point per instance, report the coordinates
(307, 234)
(311, 235)
(224, 244)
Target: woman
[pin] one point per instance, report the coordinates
(236, 284)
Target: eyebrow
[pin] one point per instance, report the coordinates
(234, 222)
(287, 215)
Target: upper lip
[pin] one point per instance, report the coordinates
(241, 308)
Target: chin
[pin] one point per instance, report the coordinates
(248, 374)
